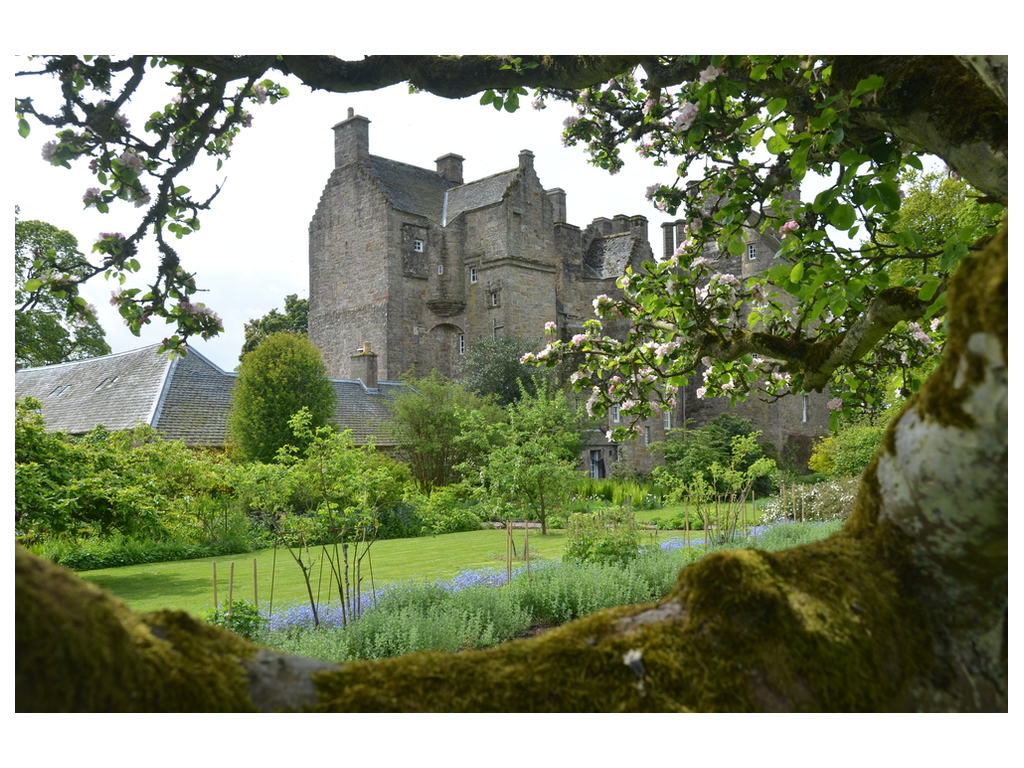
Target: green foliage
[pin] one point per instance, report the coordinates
(116, 551)
(48, 328)
(239, 616)
(431, 429)
(277, 379)
(622, 493)
(449, 509)
(533, 468)
(848, 452)
(492, 368)
(692, 452)
(294, 320)
(603, 536)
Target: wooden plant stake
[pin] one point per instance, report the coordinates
(255, 587)
(231, 588)
(215, 585)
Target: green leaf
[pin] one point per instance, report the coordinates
(33, 285)
(775, 106)
(889, 195)
(487, 97)
(181, 190)
(843, 216)
(928, 290)
(797, 273)
(777, 144)
(872, 83)
(24, 128)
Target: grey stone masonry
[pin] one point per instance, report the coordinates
(419, 265)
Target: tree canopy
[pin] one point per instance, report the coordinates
(45, 332)
(294, 319)
(276, 380)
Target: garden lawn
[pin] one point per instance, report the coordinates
(188, 584)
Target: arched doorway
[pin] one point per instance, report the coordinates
(445, 344)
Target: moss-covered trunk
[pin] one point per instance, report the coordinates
(904, 609)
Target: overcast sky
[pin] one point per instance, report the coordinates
(252, 249)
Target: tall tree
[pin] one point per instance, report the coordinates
(907, 608)
(275, 381)
(295, 319)
(534, 465)
(48, 330)
(494, 367)
(432, 419)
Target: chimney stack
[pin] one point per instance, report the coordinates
(364, 365)
(450, 167)
(352, 140)
(557, 198)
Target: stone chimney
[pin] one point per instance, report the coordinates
(352, 140)
(526, 159)
(557, 198)
(450, 167)
(364, 366)
(638, 225)
(668, 238)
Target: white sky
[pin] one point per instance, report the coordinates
(252, 249)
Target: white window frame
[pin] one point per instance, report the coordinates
(804, 415)
(495, 299)
(417, 245)
(473, 275)
(751, 251)
(616, 418)
(668, 420)
(647, 435)
(440, 269)
(462, 343)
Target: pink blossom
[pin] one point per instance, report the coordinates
(92, 195)
(579, 338)
(132, 160)
(49, 151)
(549, 326)
(569, 121)
(710, 74)
(835, 404)
(687, 114)
(789, 226)
(652, 189)
(701, 391)
(936, 323)
(729, 385)
(260, 93)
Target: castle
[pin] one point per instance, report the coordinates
(409, 267)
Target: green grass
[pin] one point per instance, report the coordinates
(188, 584)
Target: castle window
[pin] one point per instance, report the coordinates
(495, 298)
(668, 420)
(440, 269)
(462, 343)
(473, 275)
(751, 251)
(615, 414)
(417, 245)
(804, 417)
(647, 435)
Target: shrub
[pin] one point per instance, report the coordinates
(847, 452)
(604, 536)
(284, 374)
(445, 511)
(239, 616)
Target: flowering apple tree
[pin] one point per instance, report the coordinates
(750, 129)
(140, 166)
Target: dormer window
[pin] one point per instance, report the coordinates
(417, 245)
(751, 251)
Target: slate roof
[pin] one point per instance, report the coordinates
(422, 191)
(609, 256)
(186, 398)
